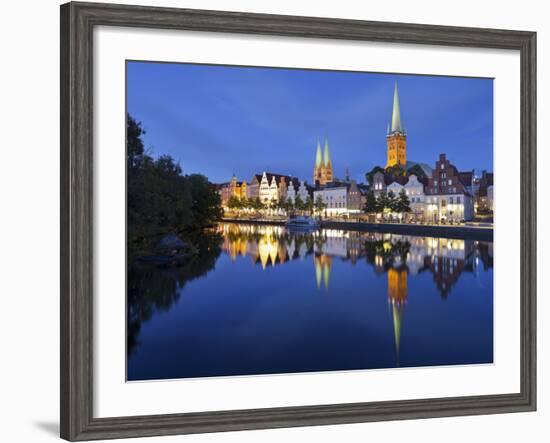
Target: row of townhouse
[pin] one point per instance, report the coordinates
(268, 187)
(443, 196)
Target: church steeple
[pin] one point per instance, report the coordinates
(326, 156)
(396, 113)
(322, 171)
(396, 138)
(318, 156)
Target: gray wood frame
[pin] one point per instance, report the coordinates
(77, 23)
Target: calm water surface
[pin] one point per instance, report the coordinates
(259, 300)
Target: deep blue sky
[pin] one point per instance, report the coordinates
(219, 120)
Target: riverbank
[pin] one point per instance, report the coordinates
(481, 233)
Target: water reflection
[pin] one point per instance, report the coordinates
(152, 289)
(269, 259)
(398, 256)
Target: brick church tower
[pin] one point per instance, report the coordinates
(322, 171)
(396, 137)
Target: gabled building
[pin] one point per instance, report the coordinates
(484, 200)
(417, 198)
(270, 187)
(447, 197)
(233, 188)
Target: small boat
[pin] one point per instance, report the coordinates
(302, 223)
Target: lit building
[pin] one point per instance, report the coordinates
(234, 188)
(322, 171)
(269, 187)
(303, 191)
(447, 198)
(484, 197)
(396, 138)
(415, 191)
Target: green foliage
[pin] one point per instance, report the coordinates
(395, 171)
(309, 204)
(382, 201)
(320, 205)
(160, 199)
(256, 204)
(418, 171)
(299, 204)
(289, 205)
(403, 203)
(391, 203)
(234, 203)
(371, 205)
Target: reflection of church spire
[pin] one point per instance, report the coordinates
(397, 314)
(326, 271)
(397, 296)
(318, 271)
(323, 264)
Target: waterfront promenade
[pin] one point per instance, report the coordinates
(462, 231)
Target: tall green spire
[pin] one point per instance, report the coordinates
(327, 154)
(318, 157)
(396, 114)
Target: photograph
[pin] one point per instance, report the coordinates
(284, 220)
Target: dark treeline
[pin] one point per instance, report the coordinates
(160, 198)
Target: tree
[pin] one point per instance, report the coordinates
(403, 203)
(299, 204)
(308, 206)
(134, 144)
(160, 199)
(206, 206)
(391, 203)
(233, 202)
(246, 203)
(382, 202)
(289, 205)
(395, 171)
(418, 171)
(320, 205)
(371, 205)
(256, 204)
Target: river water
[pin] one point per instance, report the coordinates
(259, 299)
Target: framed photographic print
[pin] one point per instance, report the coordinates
(273, 221)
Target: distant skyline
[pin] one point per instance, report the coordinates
(222, 120)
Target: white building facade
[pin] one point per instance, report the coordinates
(335, 199)
(417, 198)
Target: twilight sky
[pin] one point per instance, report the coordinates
(219, 120)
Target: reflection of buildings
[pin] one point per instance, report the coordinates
(398, 256)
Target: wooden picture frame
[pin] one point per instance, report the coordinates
(77, 23)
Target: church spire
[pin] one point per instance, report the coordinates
(327, 161)
(318, 157)
(396, 114)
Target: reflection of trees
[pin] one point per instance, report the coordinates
(156, 288)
